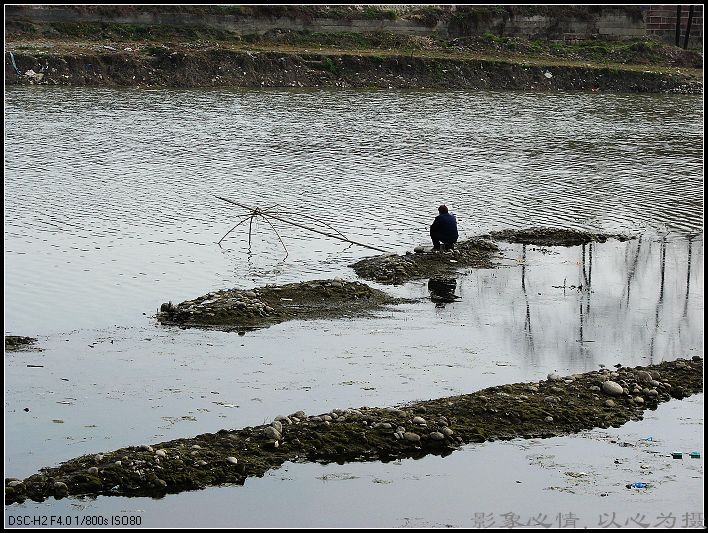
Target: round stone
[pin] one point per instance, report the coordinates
(272, 433)
(644, 376)
(548, 419)
(446, 431)
(411, 437)
(612, 388)
(554, 377)
(436, 435)
(418, 420)
(610, 403)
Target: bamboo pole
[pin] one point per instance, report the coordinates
(302, 226)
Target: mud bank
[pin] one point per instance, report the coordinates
(552, 407)
(264, 306)
(182, 66)
(554, 236)
(396, 269)
(16, 343)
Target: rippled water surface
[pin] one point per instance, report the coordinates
(109, 195)
(110, 211)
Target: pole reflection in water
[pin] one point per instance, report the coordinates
(596, 314)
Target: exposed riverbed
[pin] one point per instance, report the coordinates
(109, 211)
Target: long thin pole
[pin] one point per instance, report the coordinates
(678, 25)
(304, 227)
(688, 27)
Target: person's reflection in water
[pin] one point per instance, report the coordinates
(442, 290)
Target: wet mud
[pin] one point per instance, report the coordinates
(185, 67)
(16, 343)
(554, 236)
(397, 269)
(552, 407)
(265, 306)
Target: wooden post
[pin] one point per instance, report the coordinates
(688, 27)
(678, 25)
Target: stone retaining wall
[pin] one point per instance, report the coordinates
(549, 23)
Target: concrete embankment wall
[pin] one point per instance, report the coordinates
(567, 23)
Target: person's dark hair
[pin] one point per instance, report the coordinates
(442, 209)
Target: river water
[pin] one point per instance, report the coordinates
(110, 210)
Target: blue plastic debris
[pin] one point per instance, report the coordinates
(637, 485)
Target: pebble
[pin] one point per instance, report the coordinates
(299, 414)
(196, 447)
(14, 483)
(643, 375)
(201, 463)
(411, 437)
(595, 388)
(98, 457)
(418, 420)
(446, 431)
(93, 470)
(612, 388)
(272, 433)
(146, 447)
(278, 426)
(436, 435)
(548, 419)
(326, 418)
(60, 488)
(638, 400)
(554, 377)
(161, 482)
(696, 358)
(610, 403)
(161, 453)
(654, 383)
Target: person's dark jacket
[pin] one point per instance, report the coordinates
(444, 228)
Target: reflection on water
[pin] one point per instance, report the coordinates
(109, 211)
(109, 194)
(628, 302)
(442, 290)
